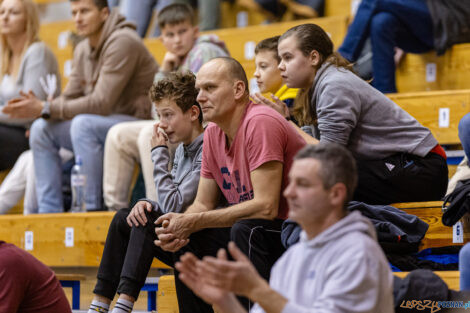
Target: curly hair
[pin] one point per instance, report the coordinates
(178, 87)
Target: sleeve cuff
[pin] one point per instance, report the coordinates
(160, 146)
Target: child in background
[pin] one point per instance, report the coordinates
(128, 143)
(268, 77)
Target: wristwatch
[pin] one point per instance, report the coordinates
(46, 111)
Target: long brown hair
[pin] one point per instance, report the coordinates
(312, 37)
(32, 35)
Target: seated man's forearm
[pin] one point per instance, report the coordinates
(226, 217)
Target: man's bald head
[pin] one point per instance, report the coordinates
(230, 68)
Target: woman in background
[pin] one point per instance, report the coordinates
(23, 61)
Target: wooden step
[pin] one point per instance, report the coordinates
(440, 111)
(77, 277)
(166, 297)
(437, 235)
(426, 72)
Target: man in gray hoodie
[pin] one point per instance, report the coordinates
(336, 267)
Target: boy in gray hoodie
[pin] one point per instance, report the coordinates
(336, 267)
(128, 252)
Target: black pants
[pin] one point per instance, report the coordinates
(129, 252)
(402, 178)
(12, 143)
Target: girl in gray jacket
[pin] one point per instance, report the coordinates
(398, 159)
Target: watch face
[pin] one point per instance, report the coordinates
(46, 115)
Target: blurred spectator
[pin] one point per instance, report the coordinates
(24, 60)
(111, 76)
(209, 12)
(275, 9)
(413, 26)
(27, 285)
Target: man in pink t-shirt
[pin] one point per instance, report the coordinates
(247, 154)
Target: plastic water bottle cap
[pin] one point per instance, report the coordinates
(78, 160)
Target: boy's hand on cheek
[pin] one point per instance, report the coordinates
(170, 62)
(158, 137)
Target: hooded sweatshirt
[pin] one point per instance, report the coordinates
(341, 270)
(205, 48)
(112, 78)
(352, 113)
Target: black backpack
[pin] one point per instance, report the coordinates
(459, 203)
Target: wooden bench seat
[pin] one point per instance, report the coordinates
(62, 239)
(440, 111)
(437, 235)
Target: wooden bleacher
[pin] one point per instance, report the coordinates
(426, 72)
(338, 7)
(49, 237)
(90, 230)
(427, 107)
(437, 235)
(69, 262)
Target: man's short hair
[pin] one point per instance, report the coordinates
(337, 165)
(178, 87)
(174, 14)
(235, 70)
(99, 3)
(269, 44)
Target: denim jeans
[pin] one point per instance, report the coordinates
(464, 267)
(464, 133)
(209, 12)
(406, 24)
(85, 135)
(140, 13)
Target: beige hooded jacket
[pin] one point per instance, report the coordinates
(114, 78)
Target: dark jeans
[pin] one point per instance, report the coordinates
(411, 179)
(129, 252)
(406, 24)
(13, 142)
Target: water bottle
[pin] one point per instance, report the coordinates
(78, 183)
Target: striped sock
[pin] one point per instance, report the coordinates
(97, 306)
(123, 306)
